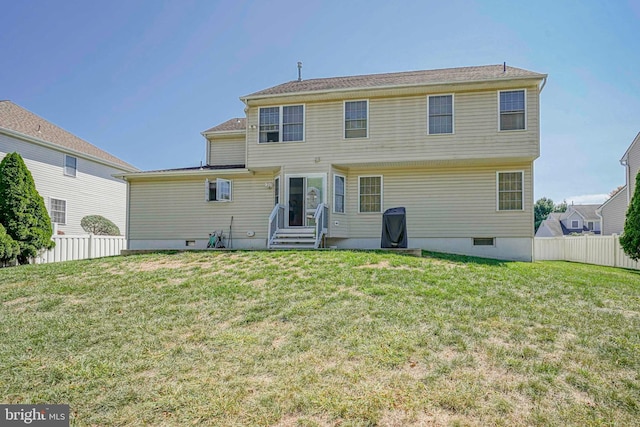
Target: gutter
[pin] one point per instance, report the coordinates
(64, 149)
(181, 173)
(544, 82)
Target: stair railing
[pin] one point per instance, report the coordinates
(276, 222)
(321, 218)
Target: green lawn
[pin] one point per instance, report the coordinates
(322, 338)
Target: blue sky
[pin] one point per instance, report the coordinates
(142, 79)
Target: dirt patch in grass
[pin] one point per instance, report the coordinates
(21, 301)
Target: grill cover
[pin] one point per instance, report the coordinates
(394, 228)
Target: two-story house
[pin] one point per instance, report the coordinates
(320, 160)
(614, 211)
(74, 177)
(577, 219)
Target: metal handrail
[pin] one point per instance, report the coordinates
(321, 219)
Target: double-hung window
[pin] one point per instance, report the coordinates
(70, 165)
(369, 194)
(512, 109)
(281, 124)
(218, 190)
(356, 119)
(440, 111)
(510, 191)
(58, 211)
(338, 193)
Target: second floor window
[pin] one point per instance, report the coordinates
(440, 114)
(355, 119)
(70, 165)
(512, 110)
(282, 124)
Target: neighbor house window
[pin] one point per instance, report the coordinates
(281, 124)
(276, 191)
(483, 241)
(510, 191)
(218, 190)
(356, 119)
(575, 223)
(338, 193)
(369, 194)
(58, 211)
(512, 109)
(440, 111)
(70, 165)
(590, 225)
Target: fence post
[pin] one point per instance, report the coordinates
(616, 242)
(90, 248)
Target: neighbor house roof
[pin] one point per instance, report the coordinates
(16, 119)
(231, 125)
(588, 212)
(407, 78)
(553, 224)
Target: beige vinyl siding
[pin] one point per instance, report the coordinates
(398, 132)
(227, 151)
(634, 168)
(614, 214)
(444, 202)
(174, 208)
(93, 191)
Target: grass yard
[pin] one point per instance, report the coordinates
(326, 338)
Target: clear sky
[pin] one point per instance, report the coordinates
(142, 78)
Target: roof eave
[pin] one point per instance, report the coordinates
(246, 98)
(58, 147)
(224, 132)
(182, 173)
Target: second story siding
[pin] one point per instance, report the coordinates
(397, 129)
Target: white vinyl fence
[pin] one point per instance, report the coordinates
(588, 249)
(83, 246)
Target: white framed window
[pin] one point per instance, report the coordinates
(510, 189)
(575, 223)
(276, 191)
(512, 109)
(484, 241)
(58, 209)
(218, 190)
(439, 114)
(339, 191)
(370, 194)
(70, 165)
(356, 119)
(590, 225)
(281, 124)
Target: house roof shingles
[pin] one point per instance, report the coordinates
(407, 78)
(17, 119)
(235, 124)
(588, 212)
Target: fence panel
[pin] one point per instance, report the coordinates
(587, 249)
(83, 246)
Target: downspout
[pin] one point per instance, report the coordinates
(544, 82)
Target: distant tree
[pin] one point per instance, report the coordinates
(22, 209)
(630, 239)
(99, 225)
(9, 248)
(541, 210)
(561, 207)
(615, 191)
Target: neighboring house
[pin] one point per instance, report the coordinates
(73, 177)
(614, 210)
(577, 219)
(324, 158)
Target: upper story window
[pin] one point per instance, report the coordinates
(70, 165)
(58, 211)
(440, 111)
(356, 119)
(282, 124)
(510, 191)
(512, 109)
(218, 190)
